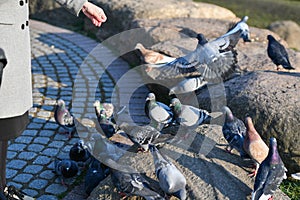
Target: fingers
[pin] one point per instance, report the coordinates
(95, 13)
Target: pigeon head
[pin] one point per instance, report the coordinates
(201, 39)
(61, 103)
(228, 114)
(270, 38)
(273, 151)
(150, 97)
(245, 19)
(176, 104)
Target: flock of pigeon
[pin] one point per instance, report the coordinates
(212, 59)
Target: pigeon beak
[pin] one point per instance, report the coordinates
(147, 99)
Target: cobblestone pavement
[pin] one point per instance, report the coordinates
(61, 61)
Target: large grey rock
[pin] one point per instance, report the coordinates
(272, 99)
(211, 172)
(176, 37)
(122, 13)
(289, 31)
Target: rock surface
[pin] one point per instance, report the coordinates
(289, 31)
(210, 171)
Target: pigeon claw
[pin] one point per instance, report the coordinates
(252, 174)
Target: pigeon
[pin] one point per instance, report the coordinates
(278, 54)
(270, 174)
(159, 113)
(96, 173)
(253, 145)
(152, 57)
(3, 62)
(241, 25)
(212, 59)
(189, 84)
(190, 116)
(133, 184)
(106, 126)
(79, 152)
(234, 131)
(64, 118)
(141, 135)
(171, 180)
(65, 169)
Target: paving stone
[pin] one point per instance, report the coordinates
(23, 139)
(50, 152)
(10, 173)
(38, 184)
(33, 169)
(41, 140)
(35, 147)
(47, 174)
(51, 125)
(56, 189)
(17, 185)
(31, 193)
(11, 154)
(35, 126)
(46, 133)
(56, 144)
(29, 132)
(27, 155)
(42, 160)
(23, 178)
(16, 147)
(47, 197)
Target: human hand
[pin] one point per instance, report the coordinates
(95, 13)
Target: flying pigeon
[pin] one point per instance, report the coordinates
(64, 118)
(190, 116)
(171, 180)
(189, 84)
(241, 25)
(278, 54)
(133, 184)
(159, 113)
(152, 57)
(211, 59)
(96, 173)
(79, 152)
(65, 169)
(254, 146)
(141, 135)
(3, 62)
(234, 131)
(270, 174)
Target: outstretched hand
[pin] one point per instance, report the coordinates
(95, 13)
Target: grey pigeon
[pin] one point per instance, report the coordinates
(241, 25)
(190, 116)
(189, 84)
(212, 59)
(278, 54)
(96, 173)
(159, 113)
(107, 127)
(3, 62)
(253, 145)
(270, 174)
(79, 152)
(65, 169)
(171, 180)
(141, 135)
(234, 131)
(64, 118)
(133, 184)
